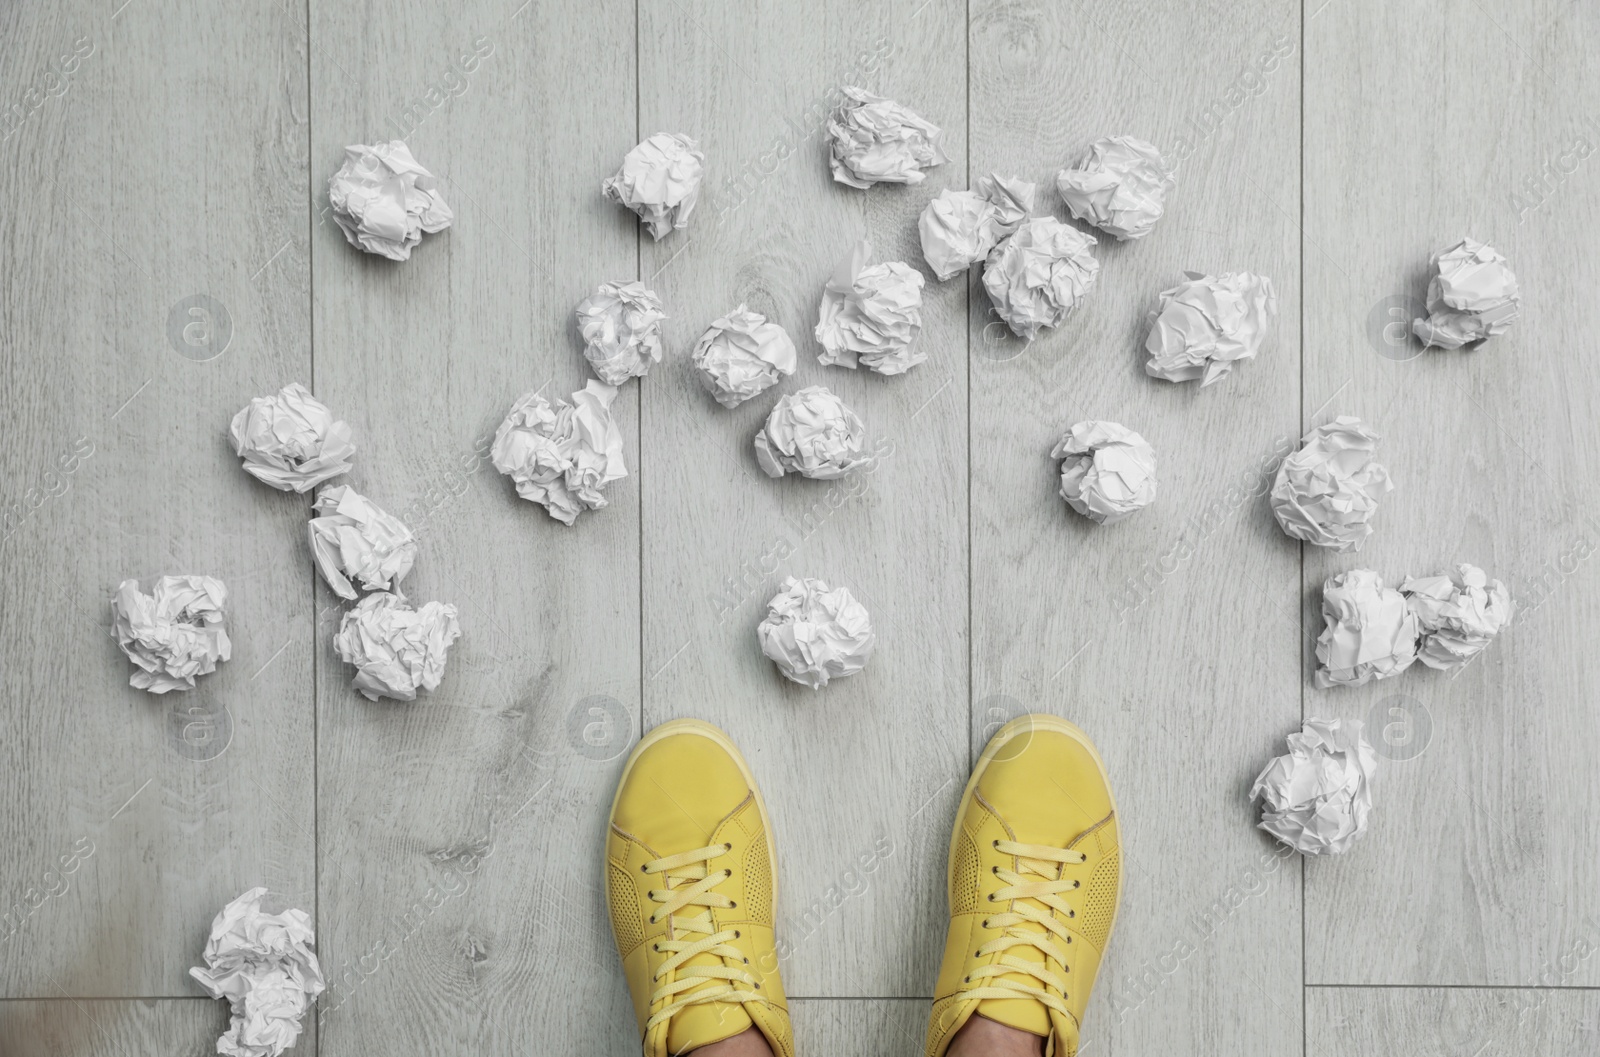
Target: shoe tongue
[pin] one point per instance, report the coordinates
(696, 1026)
(1024, 1014)
(701, 1025)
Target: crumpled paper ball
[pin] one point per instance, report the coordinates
(291, 440)
(814, 634)
(1458, 614)
(1370, 632)
(876, 140)
(1120, 187)
(871, 315)
(561, 454)
(812, 433)
(352, 539)
(742, 354)
(396, 648)
(264, 966)
(1207, 324)
(172, 634)
(660, 181)
(1317, 798)
(621, 327)
(1038, 275)
(1472, 295)
(959, 228)
(383, 200)
(1107, 471)
(1327, 492)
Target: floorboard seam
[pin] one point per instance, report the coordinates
(110, 998)
(860, 998)
(1458, 987)
(1300, 281)
(638, 274)
(311, 352)
(971, 635)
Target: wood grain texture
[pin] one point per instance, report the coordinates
(1438, 1022)
(450, 848)
(1170, 637)
(461, 836)
(169, 164)
(1478, 869)
(119, 1028)
(871, 767)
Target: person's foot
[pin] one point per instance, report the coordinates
(1034, 876)
(691, 883)
(982, 1037)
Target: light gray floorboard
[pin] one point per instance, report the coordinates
(119, 1028)
(1169, 637)
(1435, 1022)
(164, 160)
(1479, 868)
(464, 832)
(871, 767)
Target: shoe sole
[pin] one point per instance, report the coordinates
(1029, 723)
(706, 730)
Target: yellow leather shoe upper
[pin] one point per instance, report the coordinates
(1034, 878)
(691, 888)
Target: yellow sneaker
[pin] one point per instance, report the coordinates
(691, 884)
(1033, 877)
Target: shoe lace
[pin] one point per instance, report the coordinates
(690, 883)
(1038, 879)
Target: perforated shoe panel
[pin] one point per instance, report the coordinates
(1100, 902)
(626, 920)
(964, 877)
(758, 881)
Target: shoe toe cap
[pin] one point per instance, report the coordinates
(1047, 785)
(677, 791)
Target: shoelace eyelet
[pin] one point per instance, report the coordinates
(1077, 884)
(727, 848)
(645, 868)
(736, 936)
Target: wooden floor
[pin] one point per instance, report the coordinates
(448, 849)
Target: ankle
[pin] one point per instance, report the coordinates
(982, 1037)
(748, 1043)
